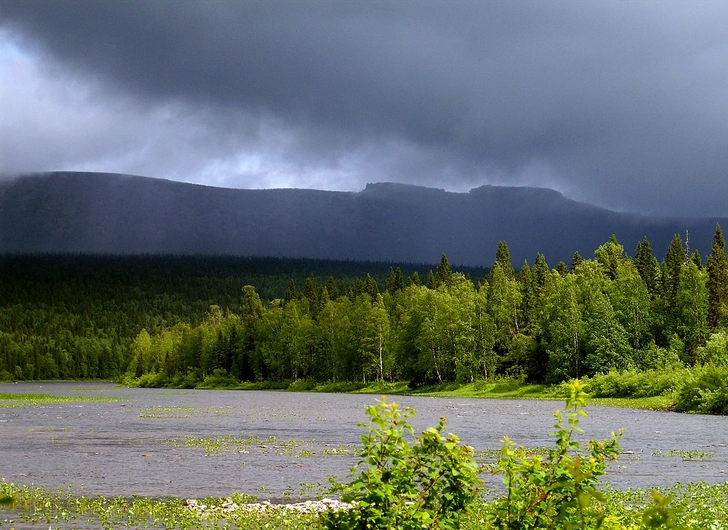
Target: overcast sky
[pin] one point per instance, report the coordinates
(621, 104)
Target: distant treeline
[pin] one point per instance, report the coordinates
(609, 313)
(181, 321)
(75, 316)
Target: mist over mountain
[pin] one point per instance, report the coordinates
(111, 213)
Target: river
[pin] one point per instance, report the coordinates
(280, 443)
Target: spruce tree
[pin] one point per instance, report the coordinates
(395, 280)
(540, 272)
(290, 292)
(444, 272)
(717, 281)
(647, 266)
(310, 289)
(431, 280)
(696, 258)
(562, 269)
(371, 287)
(389, 286)
(503, 258)
(674, 260)
(576, 260)
(333, 292)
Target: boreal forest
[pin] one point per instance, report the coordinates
(164, 320)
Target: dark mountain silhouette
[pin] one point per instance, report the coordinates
(108, 213)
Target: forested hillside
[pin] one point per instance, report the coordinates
(611, 312)
(75, 316)
(180, 320)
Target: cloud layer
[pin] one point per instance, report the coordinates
(619, 104)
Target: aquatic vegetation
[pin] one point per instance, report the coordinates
(685, 454)
(11, 400)
(240, 444)
(166, 412)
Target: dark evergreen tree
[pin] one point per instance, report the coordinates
(444, 272)
(562, 269)
(311, 294)
(576, 260)
(333, 291)
(310, 289)
(291, 291)
(414, 279)
(717, 281)
(674, 261)
(503, 258)
(431, 280)
(696, 258)
(647, 266)
(395, 280)
(540, 272)
(371, 287)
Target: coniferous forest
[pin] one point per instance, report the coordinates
(164, 320)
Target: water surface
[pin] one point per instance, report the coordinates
(127, 447)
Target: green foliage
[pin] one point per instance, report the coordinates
(717, 281)
(428, 482)
(176, 321)
(558, 491)
(704, 390)
(632, 383)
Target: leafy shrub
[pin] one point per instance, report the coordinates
(341, 386)
(705, 390)
(560, 490)
(152, 380)
(217, 379)
(424, 484)
(631, 383)
(301, 385)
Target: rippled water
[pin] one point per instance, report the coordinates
(127, 447)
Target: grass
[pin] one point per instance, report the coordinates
(697, 506)
(498, 389)
(10, 400)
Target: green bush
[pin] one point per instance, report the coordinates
(631, 383)
(427, 483)
(219, 378)
(705, 390)
(559, 491)
(302, 385)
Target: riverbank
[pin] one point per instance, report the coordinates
(501, 389)
(693, 506)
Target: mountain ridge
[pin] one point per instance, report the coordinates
(126, 214)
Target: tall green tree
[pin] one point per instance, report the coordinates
(576, 260)
(672, 269)
(503, 259)
(692, 309)
(504, 300)
(563, 325)
(395, 280)
(717, 281)
(443, 276)
(647, 266)
(610, 255)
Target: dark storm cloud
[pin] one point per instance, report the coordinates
(621, 104)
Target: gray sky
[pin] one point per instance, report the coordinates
(621, 104)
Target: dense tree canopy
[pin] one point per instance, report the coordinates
(166, 321)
